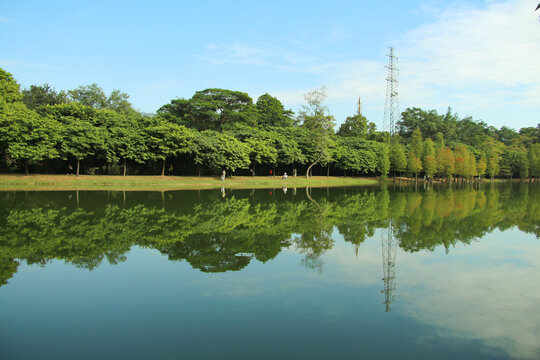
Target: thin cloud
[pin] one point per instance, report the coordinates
(8, 63)
(467, 51)
(6, 20)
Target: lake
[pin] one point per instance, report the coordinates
(374, 273)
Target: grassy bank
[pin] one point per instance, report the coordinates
(163, 183)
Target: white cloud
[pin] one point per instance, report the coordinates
(474, 59)
(469, 55)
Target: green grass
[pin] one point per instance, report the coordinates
(163, 183)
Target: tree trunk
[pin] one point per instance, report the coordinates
(199, 171)
(78, 166)
(163, 168)
(125, 167)
(274, 171)
(308, 174)
(328, 171)
(26, 166)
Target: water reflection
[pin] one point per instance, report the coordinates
(482, 294)
(222, 233)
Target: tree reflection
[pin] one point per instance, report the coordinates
(216, 234)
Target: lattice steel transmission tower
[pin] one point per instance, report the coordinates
(389, 249)
(359, 106)
(391, 104)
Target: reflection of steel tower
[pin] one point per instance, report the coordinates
(391, 104)
(389, 247)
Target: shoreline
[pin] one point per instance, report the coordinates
(33, 182)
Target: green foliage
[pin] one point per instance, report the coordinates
(357, 155)
(319, 123)
(212, 109)
(383, 157)
(89, 95)
(398, 159)
(216, 234)
(165, 140)
(26, 136)
(94, 96)
(445, 162)
(9, 89)
(356, 126)
(87, 124)
(430, 166)
(414, 164)
(218, 151)
(42, 95)
(272, 113)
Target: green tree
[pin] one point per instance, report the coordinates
(481, 166)
(42, 95)
(165, 140)
(261, 151)
(89, 95)
(414, 164)
(80, 139)
(383, 160)
(445, 162)
(128, 142)
(523, 165)
(213, 109)
(534, 160)
(316, 119)
(272, 113)
(417, 143)
(356, 125)
(9, 89)
(398, 159)
(94, 96)
(27, 137)
(357, 155)
(218, 151)
(430, 166)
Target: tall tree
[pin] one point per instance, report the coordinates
(356, 125)
(430, 166)
(398, 159)
(272, 113)
(414, 164)
(316, 119)
(384, 160)
(217, 109)
(445, 162)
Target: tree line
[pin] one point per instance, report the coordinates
(87, 131)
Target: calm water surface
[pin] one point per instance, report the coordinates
(373, 273)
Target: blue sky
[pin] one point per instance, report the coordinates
(479, 57)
